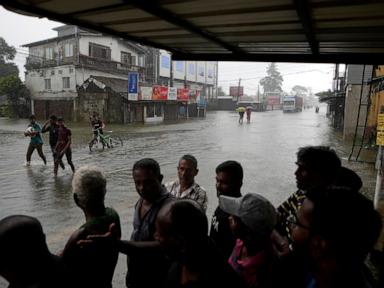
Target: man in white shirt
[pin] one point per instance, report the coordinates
(185, 186)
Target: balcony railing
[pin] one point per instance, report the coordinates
(110, 66)
(88, 62)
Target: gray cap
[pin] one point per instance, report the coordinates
(255, 211)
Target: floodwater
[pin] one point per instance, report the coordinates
(266, 148)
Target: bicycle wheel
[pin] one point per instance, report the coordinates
(96, 145)
(115, 141)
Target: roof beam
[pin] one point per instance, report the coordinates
(17, 7)
(153, 8)
(348, 58)
(304, 12)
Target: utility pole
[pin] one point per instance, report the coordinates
(238, 90)
(258, 93)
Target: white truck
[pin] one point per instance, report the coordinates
(292, 104)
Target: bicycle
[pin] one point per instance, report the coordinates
(104, 140)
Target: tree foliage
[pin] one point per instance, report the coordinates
(273, 81)
(299, 90)
(324, 94)
(7, 53)
(18, 95)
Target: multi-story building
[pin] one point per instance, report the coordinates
(56, 68)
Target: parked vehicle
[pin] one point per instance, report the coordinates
(292, 104)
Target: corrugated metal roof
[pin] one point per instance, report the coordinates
(341, 31)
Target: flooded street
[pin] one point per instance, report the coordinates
(266, 148)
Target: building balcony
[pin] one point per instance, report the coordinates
(110, 66)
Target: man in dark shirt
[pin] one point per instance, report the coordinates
(25, 260)
(63, 146)
(182, 231)
(52, 127)
(93, 266)
(229, 179)
(96, 124)
(147, 266)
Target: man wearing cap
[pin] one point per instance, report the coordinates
(252, 219)
(63, 146)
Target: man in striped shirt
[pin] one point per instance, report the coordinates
(317, 166)
(186, 187)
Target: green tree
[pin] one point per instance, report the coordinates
(7, 54)
(324, 95)
(299, 90)
(273, 81)
(18, 95)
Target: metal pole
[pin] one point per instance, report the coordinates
(238, 90)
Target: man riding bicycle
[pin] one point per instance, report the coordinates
(97, 124)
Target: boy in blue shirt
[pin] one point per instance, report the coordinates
(34, 131)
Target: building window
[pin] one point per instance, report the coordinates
(179, 66)
(47, 84)
(133, 60)
(66, 83)
(141, 61)
(191, 69)
(52, 72)
(70, 70)
(125, 58)
(60, 72)
(210, 73)
(99, 51)
(68, 50)
(49, 53)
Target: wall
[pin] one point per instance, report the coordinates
(44, 108)
(210, 73)
(352, 99)
(87, 103)
(116, 46)
(355, 74)
(35, 82)
(110, 106)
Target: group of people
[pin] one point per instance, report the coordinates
(247, 110)
(59, 141)
(319, 237)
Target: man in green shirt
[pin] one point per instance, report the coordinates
(34, 131)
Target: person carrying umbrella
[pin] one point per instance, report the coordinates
(249, 111)
(241, 111)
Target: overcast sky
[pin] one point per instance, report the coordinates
(317, 76)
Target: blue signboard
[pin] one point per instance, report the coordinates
(133, 86)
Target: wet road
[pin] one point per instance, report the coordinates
(266, 148)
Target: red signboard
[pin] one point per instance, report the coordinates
(182, 94)
(234, 91)
(159, 92)
(273, 100)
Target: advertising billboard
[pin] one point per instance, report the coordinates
(182, 94)
(146, 93)
(133, 86)
(172, 93)
(159, 92)
(236, 91)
